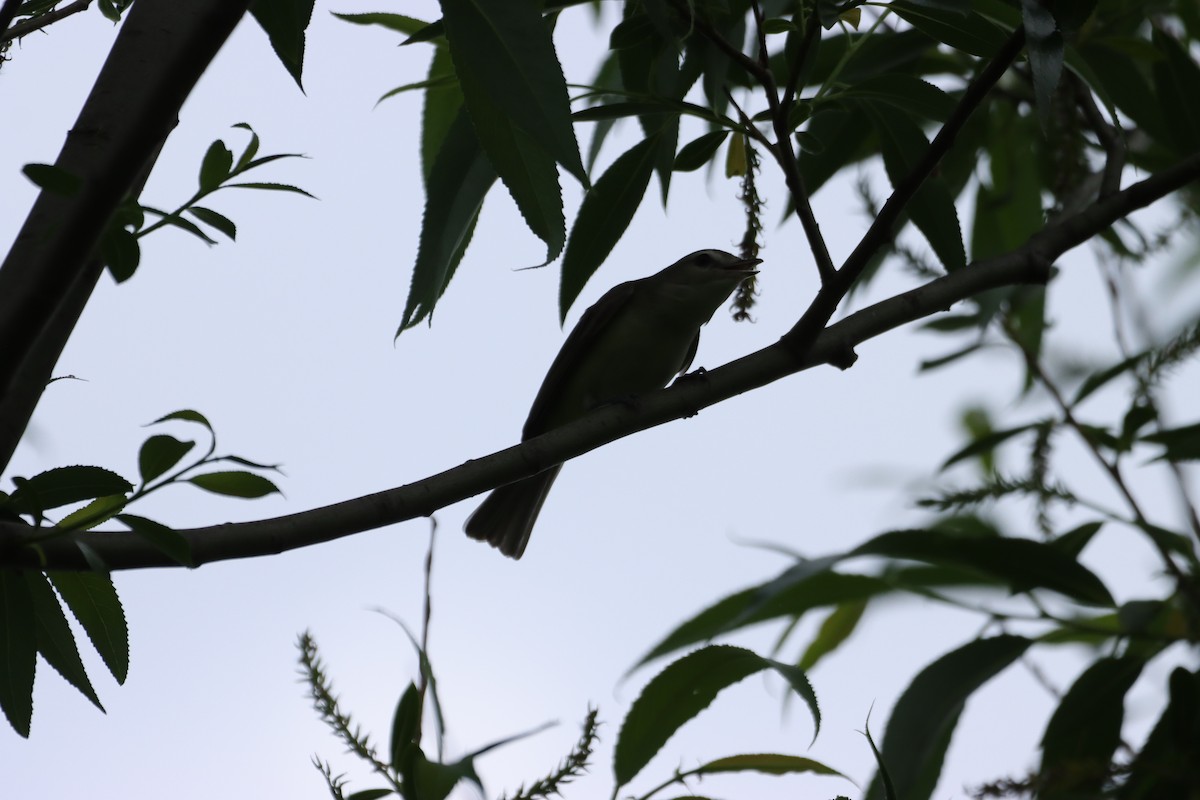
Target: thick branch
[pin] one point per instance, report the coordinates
(163, 48)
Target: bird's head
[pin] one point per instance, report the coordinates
(707, 267)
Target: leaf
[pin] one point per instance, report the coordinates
(186, 415)
(18, 650)
(1181, 444)
(159, 453)
(393, 22)
(235, 483)
(1083, 733)
(55, 641)
(1166, 764)
(971, 33)
(94, 603)
(1101, 377)
(525, 168)
(216, 166)
(89, 516)
(700, 151)
(932, 207)
(683, 690)
(835, 629)
(219, 221)
(120, 252)
(62, 486)
(925, 716)
(769, 763)
(1023, 563)
(459, 180)
(270, 187)
(1044, 43)
(285, 22)
(406, 725)
(1175, 80)
(505, 51)
(443, 104)
(909, 94)
(605, 213)
(55, 180)
(247, 156)
(985, 444)
(165, 539)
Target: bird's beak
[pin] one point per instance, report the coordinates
(745, 265)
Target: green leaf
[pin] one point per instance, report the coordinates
(216, 166)
(526, 169)
(55, 641)
(285, 22)
(925, 716)
(769, 763)
(1022, 563)
(1166, 764)
(235, 483)
(503, 53)
(186, 415)
(1098, 379)
(700, 151)
(1044, 43)
(120, 252)
(62, 486)
(93, 601)
(18, 650)
(53, 179)
(247, 156)
(166, 540)
(835, 629)
(443, 104)
(985, 444)
(406, 725)
(683, 690)
(89, 516)
(219, 221)
(159, 453)
(270, 187)
(1182, 444)
(1175, 80)
(971, 33)
(932, 207)
(605, 213)
(910, 94)
(393, 22)
(1083, 733)
(459, 180)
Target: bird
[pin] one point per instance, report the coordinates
(637, 337)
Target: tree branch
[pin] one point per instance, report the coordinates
(1028, 264)
(161, 51)
(41, 21)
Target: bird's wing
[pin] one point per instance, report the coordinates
(691, 354)
(573, 353)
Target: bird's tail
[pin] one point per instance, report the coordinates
(505, 518)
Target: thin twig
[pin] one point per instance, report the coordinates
(41, 21)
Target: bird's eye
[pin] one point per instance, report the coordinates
(704, 260)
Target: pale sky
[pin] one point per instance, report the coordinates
(284, 340)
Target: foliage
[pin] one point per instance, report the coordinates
(1009, 132)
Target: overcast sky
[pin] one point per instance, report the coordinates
(285, 341)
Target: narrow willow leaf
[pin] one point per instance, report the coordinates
(94, 603)
(55, 641)
(769, 763)
(925, 716)
(835, 629)
(605, 213)
(219, 221)
(285, 22)
(683, 690)
(1044, 43)
(907, 93)
(18, 650)
(505, 50)
(1182, 444)
(235, 483)
(89, 516)
(985, 444)
(700, 151)
(393, 22)
(971, 33)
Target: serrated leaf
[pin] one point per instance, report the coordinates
(443, 105)
(99, 510)
(1022, 563)
(165, 539)
(835, 629)
(270, 187)
(505, 50)
(985, 444)
(700, 151)
(923, 721)
(159, 453)
(680, 692)
(62, 486)
(1098, 379)
(216, 166)
(93, 601)
(457, 184)
(1085, 730)
(393, 22)
(235, 483)
(55, 641)
(18, 650)
(769, 763)
(55, 180)
(605, 213)
(285, 22)
(910, 94)
(219, 221)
